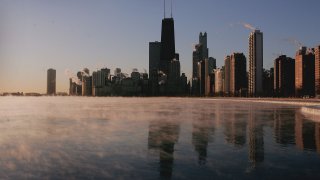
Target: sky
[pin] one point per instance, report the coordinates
(69, 35)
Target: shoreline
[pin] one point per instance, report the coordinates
(309, 107)
(285, 101)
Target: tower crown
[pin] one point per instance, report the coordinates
(164, 8)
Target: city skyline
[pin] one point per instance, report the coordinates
(69, 35)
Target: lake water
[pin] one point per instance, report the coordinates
(154, 138)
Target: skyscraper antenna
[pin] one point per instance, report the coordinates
(171, 8)
(164, 8)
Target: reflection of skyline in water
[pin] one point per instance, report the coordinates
(284, 126)
(186, 138)
(162, 137)
(306, 133)
(291, 127)
(235, 124)
(256, 142)
(317, 134)
(202, 132)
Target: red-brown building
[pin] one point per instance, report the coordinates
(305, 72)
(317, 70)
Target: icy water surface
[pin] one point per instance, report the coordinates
(154, 138)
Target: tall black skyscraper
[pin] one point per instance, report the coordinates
(167, 44)
(154, 56)
(51, 82)
(164, 64)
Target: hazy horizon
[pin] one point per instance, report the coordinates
(41, 34)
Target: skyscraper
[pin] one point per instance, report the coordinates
(154, 56)
(238, 71)
(51, 82)
(168, 51)
(218, 82)
(161, 56)
(317, 70)
(87, 85)
(99, 78)
(173, 85)
(200, 56)
(200, 53)
(284, 76)
(196, 58)
(107, 72)
(164, 64)
(227, 75)
(305, 72)
(174, 70)
(86, 82)
(203, 41)
(99, 81)
(255, 63)
(203, 71)
(212, 64)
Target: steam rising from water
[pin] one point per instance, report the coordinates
(134, 138)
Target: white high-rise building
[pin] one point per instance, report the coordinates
(255, 77)
(218, 84)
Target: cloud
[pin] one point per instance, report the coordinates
(248, 26)
(245, 25)
(293, 41)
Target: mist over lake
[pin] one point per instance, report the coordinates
(154, 138)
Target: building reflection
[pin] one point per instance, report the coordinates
(292, 127)
(298, 130)
(218, 114)
(284, 126)
(318, 137)
(306, 133)
(203, 128)
(162, 137)
(235, 127)
(256, 142)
